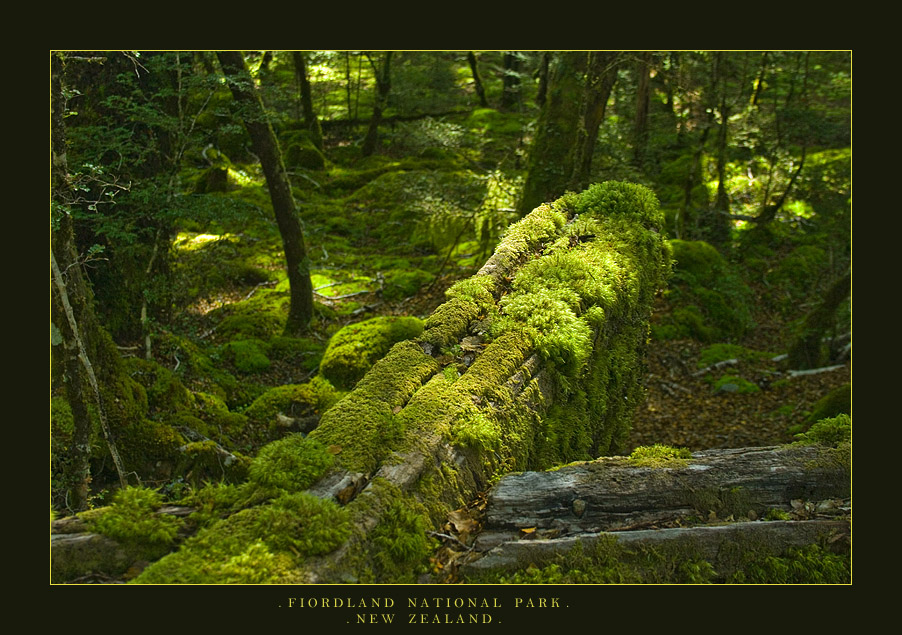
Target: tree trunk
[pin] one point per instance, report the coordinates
(640, 128)
(267, 148)
(717, 223)
(73, 313)
(510, 93)
(551, 156)
(542, 91)
(808, 351)
(477, 81)
(600, 80)
(311, 121)
(383, 86)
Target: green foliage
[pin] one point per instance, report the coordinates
(292, 464)
(659, 456)
(131, 520)
(777, 514)
(405, 283)
(832, 432)
(356, 347)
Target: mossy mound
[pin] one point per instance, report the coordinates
(710, 300)
(131, 520)
(293, 401)
(165, 391)
(837, 401)
(247, 356)
(354, 349)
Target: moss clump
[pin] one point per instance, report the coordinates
(355, 348)
(132, 520)
(251, 322)
(811, 564)
(659, 455)
(837, 401)
(248, 356)
(734, 383)
(722, 352)
(262, 545)
(777, 514)
(832, 432)
(150, 448)
(205, 461)
(399, 545)
(297, 401)
(292, 464)
(715, 302)
(404, 283)
(212, 418)
(363, 423)
(165, 391)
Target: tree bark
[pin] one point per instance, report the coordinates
(640, 127)
(612, 494)
(311, 121)
(551, 156)
(477, 81)
(267, 148)
(807, 351)
(600, 80)
(542, 91)
(383, 86)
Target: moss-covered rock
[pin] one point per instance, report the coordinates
(132, 520)
(292, 464)
(837, 401)
(355, 348)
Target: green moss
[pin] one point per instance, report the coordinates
(293, 400)
(292, 464)
(833, 432)
(811, 564)
(61, 416)
(216, 420)
(248, 321)
(777, 514)
(660, 456)
(400, 547)
(132, 521)
(356, 347)
(722, 352)
(837, 401)
(734, 383)
(150, 448)
(203, 461)
(722, 502)
(248, 356)
(363, 423)
(404, 283)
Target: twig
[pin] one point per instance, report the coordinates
(451, 538)
(177, 362)
(814, 371)
(726, 362)
(335, 284)
(268, 283)
(342, 297)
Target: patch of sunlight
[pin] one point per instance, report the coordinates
(800, 208)
(332, 286)
(241, 177)
(189, 241)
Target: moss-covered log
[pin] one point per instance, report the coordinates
(532, 362)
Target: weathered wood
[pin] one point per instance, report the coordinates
(720, 545)
(613, 494)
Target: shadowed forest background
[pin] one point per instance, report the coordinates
(238, 237)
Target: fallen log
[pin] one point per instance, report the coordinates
(615, 494)
(534, 361)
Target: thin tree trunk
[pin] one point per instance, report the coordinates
(718, 222)
(480, 91)
(267, 148)
(510, 94)
(311, 121)
(640, 130)
(383, 86)
(543, 80)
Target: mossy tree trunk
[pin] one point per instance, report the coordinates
(81, 337)
(477, 81)
(551, 156)
(383, 87)
(808, 350)
(600, 80)
(311, 121)
(267, 148)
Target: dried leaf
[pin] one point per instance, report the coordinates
(334, 449)
(396, 410)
